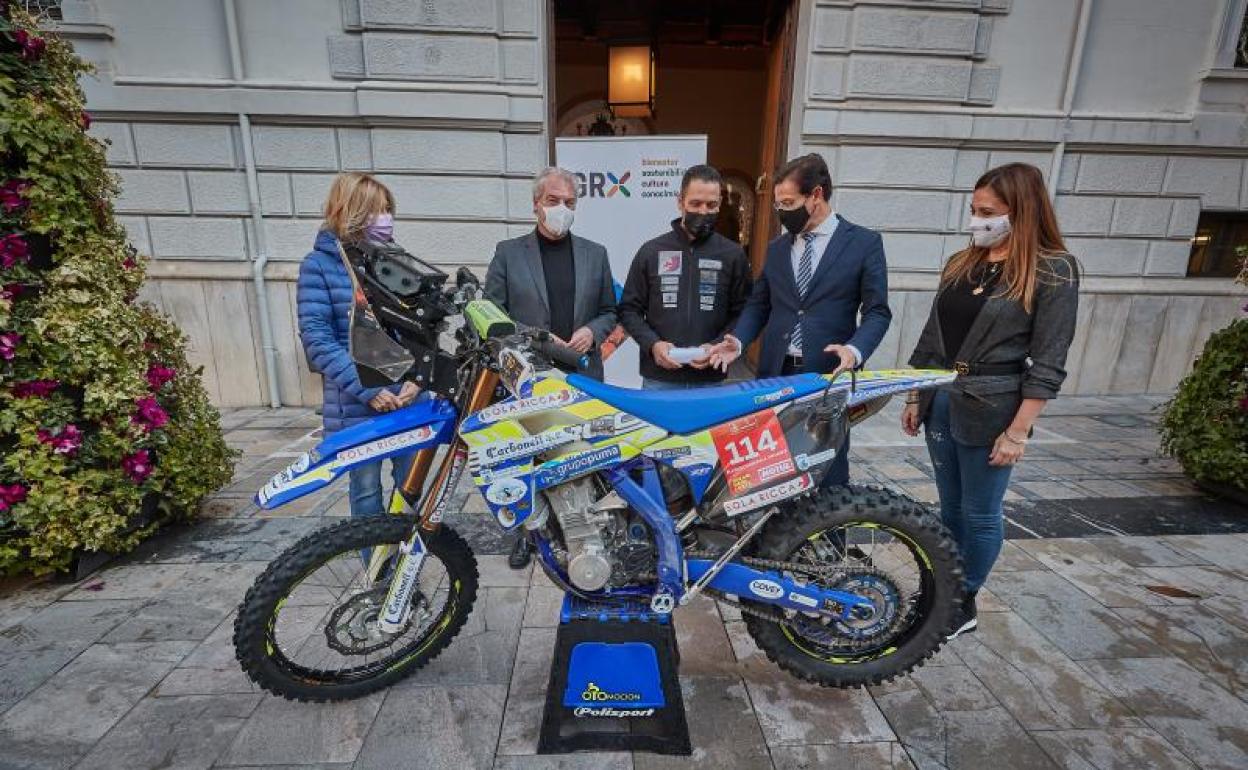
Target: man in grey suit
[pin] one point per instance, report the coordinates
(554, 280)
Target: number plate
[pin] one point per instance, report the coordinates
(753, 451)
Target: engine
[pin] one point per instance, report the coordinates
(605, 543)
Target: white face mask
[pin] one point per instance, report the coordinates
(989, 231)
(558, 219)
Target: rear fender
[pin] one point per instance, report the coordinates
(427, 423)
(869, 391)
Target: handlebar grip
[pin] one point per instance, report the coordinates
(561, 354)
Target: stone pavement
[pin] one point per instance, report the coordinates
(1112, 635)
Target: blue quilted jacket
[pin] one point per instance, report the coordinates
(324, 297)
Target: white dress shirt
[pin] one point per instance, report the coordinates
(823, 235)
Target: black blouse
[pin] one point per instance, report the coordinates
(959, 305)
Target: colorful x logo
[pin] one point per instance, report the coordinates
(618, 184)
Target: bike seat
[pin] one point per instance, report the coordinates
(689, 411)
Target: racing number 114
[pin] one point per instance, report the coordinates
(743, 449)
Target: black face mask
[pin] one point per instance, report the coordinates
(699, 226)
(794, 219)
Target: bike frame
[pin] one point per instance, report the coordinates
(436, 426)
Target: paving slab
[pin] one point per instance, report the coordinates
(845, 756)
(1200, 638)
(58, 722)
(526, 698)
(1200, 719)
(793, 713)
(723, 728)
(484, 650)
(954, 740)
(187, 732)
(1119, 748)
(288, 732)
(1109, 580)
(1028, 675)
(440, 728)
(1074, 622)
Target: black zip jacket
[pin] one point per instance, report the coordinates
(684, 293)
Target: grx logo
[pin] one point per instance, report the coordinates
(598, 184)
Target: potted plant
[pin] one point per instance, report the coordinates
(1205, 425)
(105, 429)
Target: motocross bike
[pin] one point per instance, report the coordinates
(628, 496)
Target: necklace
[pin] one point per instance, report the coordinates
(986, 276)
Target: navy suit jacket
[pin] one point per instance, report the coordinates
(851, 278)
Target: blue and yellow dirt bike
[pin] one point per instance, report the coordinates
(628, 496)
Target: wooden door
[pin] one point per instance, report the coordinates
(779, 104)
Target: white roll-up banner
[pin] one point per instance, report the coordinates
(627, 195)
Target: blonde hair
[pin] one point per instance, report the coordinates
(1035, 233)
(354, 200)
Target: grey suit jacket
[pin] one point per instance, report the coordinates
(980, 407)
(516, 282)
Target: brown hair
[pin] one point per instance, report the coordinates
(807, 172)
(1033, 232)
(354, 199)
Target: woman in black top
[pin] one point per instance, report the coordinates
(1003, 317)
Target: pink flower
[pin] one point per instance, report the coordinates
(85, 120)
(138, 466)
(11, 495)
(10, 291)
(8, 345)
(32, 45)
(158, 375)
(35, 388)
(150, 415)
(66, 442)
(13, 249)
(129, 264)
(12, 195)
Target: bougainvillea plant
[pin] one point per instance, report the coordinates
(1205, 425)
(105, 430)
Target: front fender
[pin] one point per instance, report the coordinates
(427, 423)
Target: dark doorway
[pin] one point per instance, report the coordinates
(723, 68)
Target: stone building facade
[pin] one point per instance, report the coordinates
(1133, 107)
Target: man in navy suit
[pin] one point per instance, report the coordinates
(820, 276)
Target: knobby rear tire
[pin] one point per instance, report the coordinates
(839, 506)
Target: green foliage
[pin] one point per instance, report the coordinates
(1205, 425)
(101, 416)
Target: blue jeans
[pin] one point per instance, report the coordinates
(366, 491)
(971, 492)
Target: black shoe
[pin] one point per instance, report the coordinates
(967, 620)
(521, 553)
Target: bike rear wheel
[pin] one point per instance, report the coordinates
(876, 544)
(307, 629)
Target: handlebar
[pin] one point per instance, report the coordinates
(560, 354)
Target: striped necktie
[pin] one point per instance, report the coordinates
(804, 272)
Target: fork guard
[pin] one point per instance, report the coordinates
(770, 587)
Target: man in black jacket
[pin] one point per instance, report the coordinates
(685, 288)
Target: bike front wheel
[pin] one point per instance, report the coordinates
(308, 627)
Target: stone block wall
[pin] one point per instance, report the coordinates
(443, 99)
(901, 99)
(909, 100)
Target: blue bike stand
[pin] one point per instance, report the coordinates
(613, 683)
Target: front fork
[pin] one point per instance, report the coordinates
(403, 581)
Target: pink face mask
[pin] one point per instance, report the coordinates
(381, 228)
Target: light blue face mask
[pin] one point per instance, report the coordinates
(381, 228)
